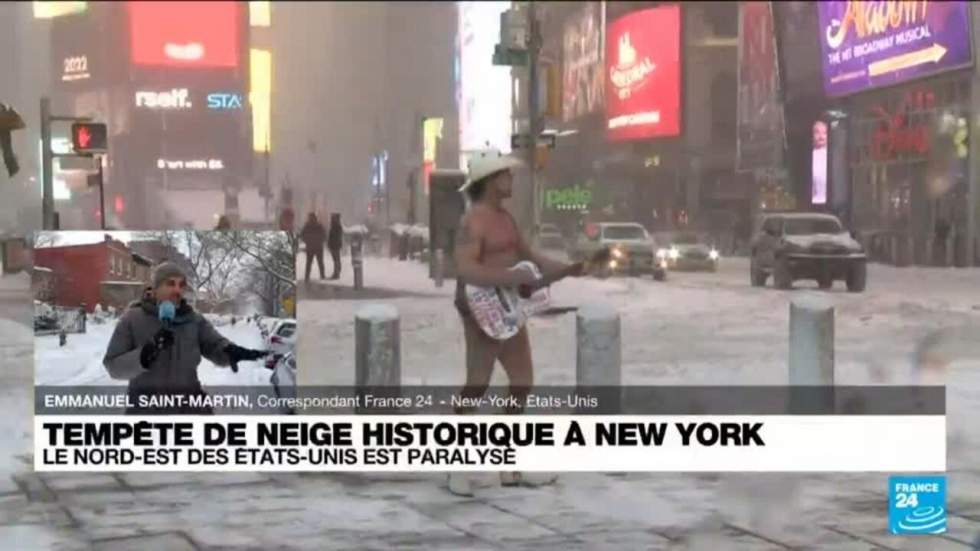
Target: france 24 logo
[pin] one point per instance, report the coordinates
(917, 504)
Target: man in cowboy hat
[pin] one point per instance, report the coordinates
(158, 344)
(487, 246)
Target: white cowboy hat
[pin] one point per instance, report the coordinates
(486, 163)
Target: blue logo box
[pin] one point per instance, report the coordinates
(917, 504)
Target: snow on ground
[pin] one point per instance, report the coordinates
(79, 362)
(695, 328)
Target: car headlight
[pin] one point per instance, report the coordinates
(613, 264)
(713, 255)
(673, 253)
(661, 253)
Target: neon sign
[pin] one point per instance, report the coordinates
(220, 100)
(173, 99)
(574, 198)
(875, 18)
(896, 136)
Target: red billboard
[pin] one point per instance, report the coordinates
(643, 74)
(185, 34)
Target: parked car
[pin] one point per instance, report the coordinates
(634, 248)
(792, 246)
(282, 337)
(689, 251)
(283, 378)
(550, 237)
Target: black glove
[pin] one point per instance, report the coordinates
(239, 354)
(164, 338)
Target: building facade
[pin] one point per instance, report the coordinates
(106, 273)
(898, 167)
(654, 147)
(178, 115)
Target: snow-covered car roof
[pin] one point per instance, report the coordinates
(357, 228)
(621, 225)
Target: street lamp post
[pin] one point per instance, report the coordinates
(534, 126)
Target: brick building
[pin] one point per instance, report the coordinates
(106, 273)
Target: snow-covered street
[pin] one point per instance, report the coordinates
(79, 362)
(695, 328)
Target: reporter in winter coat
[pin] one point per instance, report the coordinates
(158, 344)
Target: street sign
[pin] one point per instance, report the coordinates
(507, 56)
(523, 141)
(89, 137)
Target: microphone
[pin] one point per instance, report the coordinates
(166, 311)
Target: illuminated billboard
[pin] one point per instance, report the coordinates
(185, 34)
(582, 66)
(485, 88)
(643, 69)
(872, 44)
(50, 10)
(260, 97)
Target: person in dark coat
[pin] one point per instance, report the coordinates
(313, 235)
(158, 344)
(335, 241)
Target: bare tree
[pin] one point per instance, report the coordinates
(224, 264)
(270, 262)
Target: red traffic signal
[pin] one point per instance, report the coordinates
(89, 137)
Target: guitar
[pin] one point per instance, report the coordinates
(501, 312)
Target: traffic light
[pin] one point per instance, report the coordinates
(89, 137)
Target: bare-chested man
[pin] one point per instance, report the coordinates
(488, 244)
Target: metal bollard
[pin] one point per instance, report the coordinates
(440, 267)
(950, 245)
(357, 263)
(403, 247)
(377, 353)
(598, 356)
(811, 354)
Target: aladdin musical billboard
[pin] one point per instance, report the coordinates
(873, 44)
(643, 69)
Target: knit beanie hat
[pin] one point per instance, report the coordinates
(166, 271)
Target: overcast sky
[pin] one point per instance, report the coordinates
(86, 237)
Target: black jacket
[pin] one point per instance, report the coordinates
(175, 369)
(313, 235)
(336, 238)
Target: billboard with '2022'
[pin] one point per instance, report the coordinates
(873, 44)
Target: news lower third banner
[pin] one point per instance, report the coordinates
(541, 400)
(788, 443)
(346, 429)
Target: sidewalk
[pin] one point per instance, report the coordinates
(582, 511)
